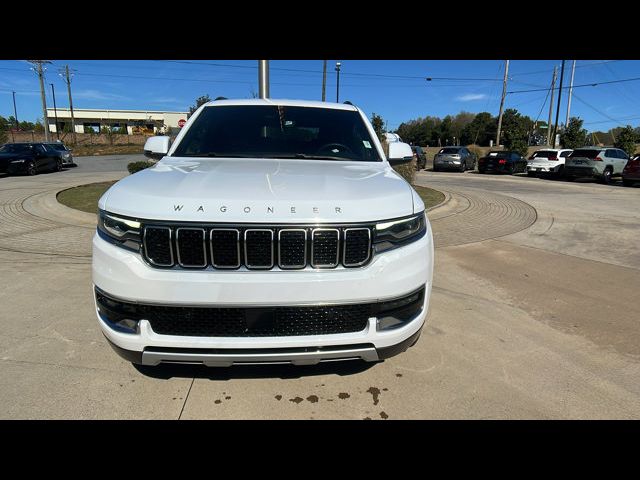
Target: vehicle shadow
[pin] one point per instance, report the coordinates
(283, 371)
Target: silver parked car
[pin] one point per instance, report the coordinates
(601, 163)
(454, 158)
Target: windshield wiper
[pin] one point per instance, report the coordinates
(311, 157)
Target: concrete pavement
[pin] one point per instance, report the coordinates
(533, 315)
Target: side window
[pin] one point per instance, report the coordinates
(610, 153)
(565, 154)
(622, 155)
(40, 149)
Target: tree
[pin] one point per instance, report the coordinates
(574, 136)
(378, 125)
(482, 128)
(626, 140)
(515, 131)
(459, 123)
(199, 102)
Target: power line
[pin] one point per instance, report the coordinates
(595, 84)
(596, 110)
(593, 64)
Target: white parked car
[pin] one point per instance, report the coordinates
(548, 160)
(270, 231)
(601, 163)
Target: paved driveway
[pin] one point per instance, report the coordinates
(534, 314)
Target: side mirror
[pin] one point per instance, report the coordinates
(399, 153)
(157, 147)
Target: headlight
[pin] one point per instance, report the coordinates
(397, 233)
(121, 231)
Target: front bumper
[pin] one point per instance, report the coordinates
(124, 275)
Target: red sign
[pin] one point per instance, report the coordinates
(181, 122)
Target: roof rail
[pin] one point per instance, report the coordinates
(220, 98)
(347, 102)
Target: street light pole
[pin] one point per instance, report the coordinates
(338, 64)
(55, 110)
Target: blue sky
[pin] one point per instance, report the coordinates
(395, 89)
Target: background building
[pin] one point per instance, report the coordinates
(119, 121)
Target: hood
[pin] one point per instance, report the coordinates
(261, 191)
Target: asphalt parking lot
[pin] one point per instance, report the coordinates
(535, 313)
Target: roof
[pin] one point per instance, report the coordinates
(284, 102)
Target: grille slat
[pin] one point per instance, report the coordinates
(157, 246)
(191, 247)
(324, 247)
(225, 248)
(357, 246)
(292, 248)
(257, 248)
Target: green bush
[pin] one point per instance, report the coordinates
(134, 167)
(407, 171)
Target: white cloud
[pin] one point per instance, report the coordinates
(470, 97)
(97, 95)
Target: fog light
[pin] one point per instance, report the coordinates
(120, 316)
(398, 312)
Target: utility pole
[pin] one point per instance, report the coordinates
(553, 86)
(55, 110)
(504, 94)
(558, 109)
(15, 112)
(338, 64)
(573, 71)
(324, 79)
(37, 67)
(64, 73)
(263, 78)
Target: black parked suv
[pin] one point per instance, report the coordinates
(420, 157)
(29, 158)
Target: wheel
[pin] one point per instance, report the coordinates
(606, 176)
(531, 173)
(512, 169)
(463, 167)
(627, 183)
(480, 170)
(58, 166)
(31, 169)
(435, 169)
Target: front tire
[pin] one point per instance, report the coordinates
(531, 173)
(463, 166)
(606, 176)
(627, 183)
(31, 169)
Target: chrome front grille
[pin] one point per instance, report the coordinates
(256, 247)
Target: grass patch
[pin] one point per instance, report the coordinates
(90, 150)
(430, 197)
(84, 197)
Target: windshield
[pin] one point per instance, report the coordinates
(588, 153)
(449, 151)
(15, 148)
(57, 146)
(278, 132)
(544, 154)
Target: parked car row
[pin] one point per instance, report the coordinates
(601, 163)
(34, 157)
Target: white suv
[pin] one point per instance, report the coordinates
(270, 231)
(601, 163)
(548, 160)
